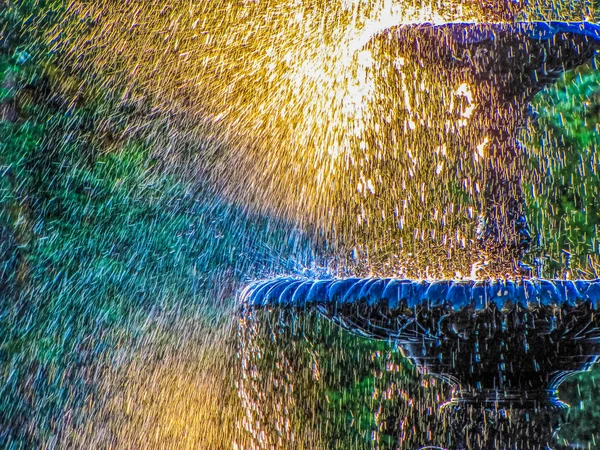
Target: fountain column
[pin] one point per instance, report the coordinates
(503, 232)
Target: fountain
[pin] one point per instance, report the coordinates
(503, 341)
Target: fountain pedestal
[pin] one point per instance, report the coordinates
(505, 368)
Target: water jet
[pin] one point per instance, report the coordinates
(504, 341)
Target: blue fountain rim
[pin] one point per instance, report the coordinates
(474, 32)
(393, 293)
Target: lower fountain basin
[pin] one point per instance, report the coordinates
(486, 338)
(504, 346)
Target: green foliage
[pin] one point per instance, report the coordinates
(584, 417)
(565, 183)
(563, 207)
(351, 391)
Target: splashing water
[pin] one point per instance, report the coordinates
(279, 106)
(296, 157)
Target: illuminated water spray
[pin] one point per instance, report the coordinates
(277, 106)
(387, 129)
(392, 148)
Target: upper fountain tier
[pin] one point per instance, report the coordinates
(497, 67)
(516, 58)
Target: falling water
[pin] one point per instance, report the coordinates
(280, 108)
(291, 155)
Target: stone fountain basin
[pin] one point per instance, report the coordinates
(392, 293)
(505, 336)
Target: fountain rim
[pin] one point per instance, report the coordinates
(457, 294)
